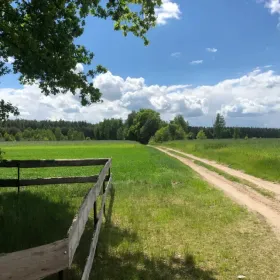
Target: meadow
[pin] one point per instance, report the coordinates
(258, 157)
(162, 221)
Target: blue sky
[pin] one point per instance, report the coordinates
(200, 43)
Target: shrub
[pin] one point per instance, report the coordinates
(162, 135)
(201, 135)
(190, 136)
(8, 137)
(18, 136)
(176, 132)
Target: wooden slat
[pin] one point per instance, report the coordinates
(35, 263)
(48, 181)
(8, 183)
(93, 245)
(58, 180)
(52, 163)
(78, 225)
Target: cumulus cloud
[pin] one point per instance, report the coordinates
(273, 6)
(176, 54)
(212, 50)
(196, 62)
(168, 10)
(252, 99)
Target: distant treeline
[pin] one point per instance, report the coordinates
(139, 126)
(228, 132)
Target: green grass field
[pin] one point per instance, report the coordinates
(258, 157)
(163, 221)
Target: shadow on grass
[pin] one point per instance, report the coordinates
(129, 265)
(30, 219)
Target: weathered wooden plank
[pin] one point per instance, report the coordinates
(93, 245)
(35, 263)
(48, 181)
(52, 163)
(8, 183)
(78, 225)
(58, 180)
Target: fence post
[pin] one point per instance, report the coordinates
(104, 190)
(95, 219)
(61, 275)
(18, 178)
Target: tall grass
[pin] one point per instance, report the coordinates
(162, 221)
(258, 157)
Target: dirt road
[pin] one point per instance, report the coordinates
(268, 208)
(275, 188)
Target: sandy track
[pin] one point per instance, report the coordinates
(241, 194)
(270, 186)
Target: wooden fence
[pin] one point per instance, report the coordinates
(42, 261)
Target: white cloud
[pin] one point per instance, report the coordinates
(212, 50)
(196, 62)
(251, 99)
(113, 87)
(168, 10)
(176, 54)
(273, 6)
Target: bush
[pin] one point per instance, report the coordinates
(152, 140)
(18, 136)
(8, 137)
(201, 135)
(176, 132)
(190, 136)
(162, 135)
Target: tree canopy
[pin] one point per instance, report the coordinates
(116, 129)
(236, 133)
(180, 121)
(40, 37)
(219, 126)
(6, 109)
(145, 124)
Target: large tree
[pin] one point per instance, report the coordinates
(40, 37)
(145, 124)
(179, 120)
(219, 126)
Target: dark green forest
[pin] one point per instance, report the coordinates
(141, 126)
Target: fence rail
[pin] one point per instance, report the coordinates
(5, 183)
(52, 163)
(38, 262)
(35, 263)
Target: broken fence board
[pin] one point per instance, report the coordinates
(93, 245)
(35, 263)
(78, 225)
(52, 163)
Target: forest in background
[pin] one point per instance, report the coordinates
(139, 126)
